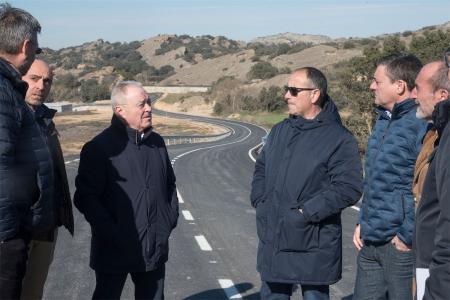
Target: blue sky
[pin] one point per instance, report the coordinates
(73, 22)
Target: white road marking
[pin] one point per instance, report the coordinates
(219, 145)
(180, 199)
(71, 161)
(251, 150)
(187, 215)
(203, 243)
(228, 286)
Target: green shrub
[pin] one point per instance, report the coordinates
(262, 70)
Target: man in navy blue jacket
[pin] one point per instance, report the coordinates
(384, 234)
(309, 170)
(126, 190)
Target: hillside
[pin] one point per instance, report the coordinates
(87, 72)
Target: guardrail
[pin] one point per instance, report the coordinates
(186, 139)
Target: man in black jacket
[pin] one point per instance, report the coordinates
(126, 190)
(40, 255)
(309, 170)
(26, 173)
(432, 230)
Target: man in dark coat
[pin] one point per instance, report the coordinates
(41, 248)
(307, 173)
(432, 228)
(126, 190)
(26, 173)
(384, 233)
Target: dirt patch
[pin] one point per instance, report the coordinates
(76, 128)
(192, 105)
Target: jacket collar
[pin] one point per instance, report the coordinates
(441, 115)
(398, 110)
(44, 112)
(132, 135)
(10, 73)
(328, 114)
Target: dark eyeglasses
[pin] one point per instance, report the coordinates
(447, 57)
(295, 90)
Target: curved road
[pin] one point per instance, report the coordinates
(213, 249)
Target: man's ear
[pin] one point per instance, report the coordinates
(401, 87)
(118, 110)
(443, 94)
(315, 95)
(24, 46)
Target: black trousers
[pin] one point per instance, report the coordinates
(13, 263)
(147, 285)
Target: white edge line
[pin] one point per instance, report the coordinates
(180, 199)
(251, 150)
(230, 290)
(187, 215)
(219, 145)
(203, 243)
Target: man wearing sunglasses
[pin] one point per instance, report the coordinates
(432, 228)
(309, 170)
(26, 173)
(383, 236)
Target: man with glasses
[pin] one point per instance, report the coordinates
(26, 172)
(383, 236)
(309, 170)
(432, 228)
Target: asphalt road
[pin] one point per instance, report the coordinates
(213, 249)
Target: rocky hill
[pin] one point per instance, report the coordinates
(292, 38)
(89, 70)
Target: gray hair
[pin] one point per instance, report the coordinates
(439, 80)
(119, 92)
(16, 26)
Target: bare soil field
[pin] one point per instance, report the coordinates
(76, 128)
(192, 105)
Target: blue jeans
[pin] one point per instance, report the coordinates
(283, 291)
(384, 273)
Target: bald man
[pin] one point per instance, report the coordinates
(39, 78)
(432, 234)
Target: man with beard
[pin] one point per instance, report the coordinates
(432, 230)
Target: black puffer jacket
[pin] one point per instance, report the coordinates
(126, 190)
(432, 231)
(62, 201)
(26, 171)
(313, 165)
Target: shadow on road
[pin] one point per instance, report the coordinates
(216, 294)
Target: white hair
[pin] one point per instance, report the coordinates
(119, 92)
